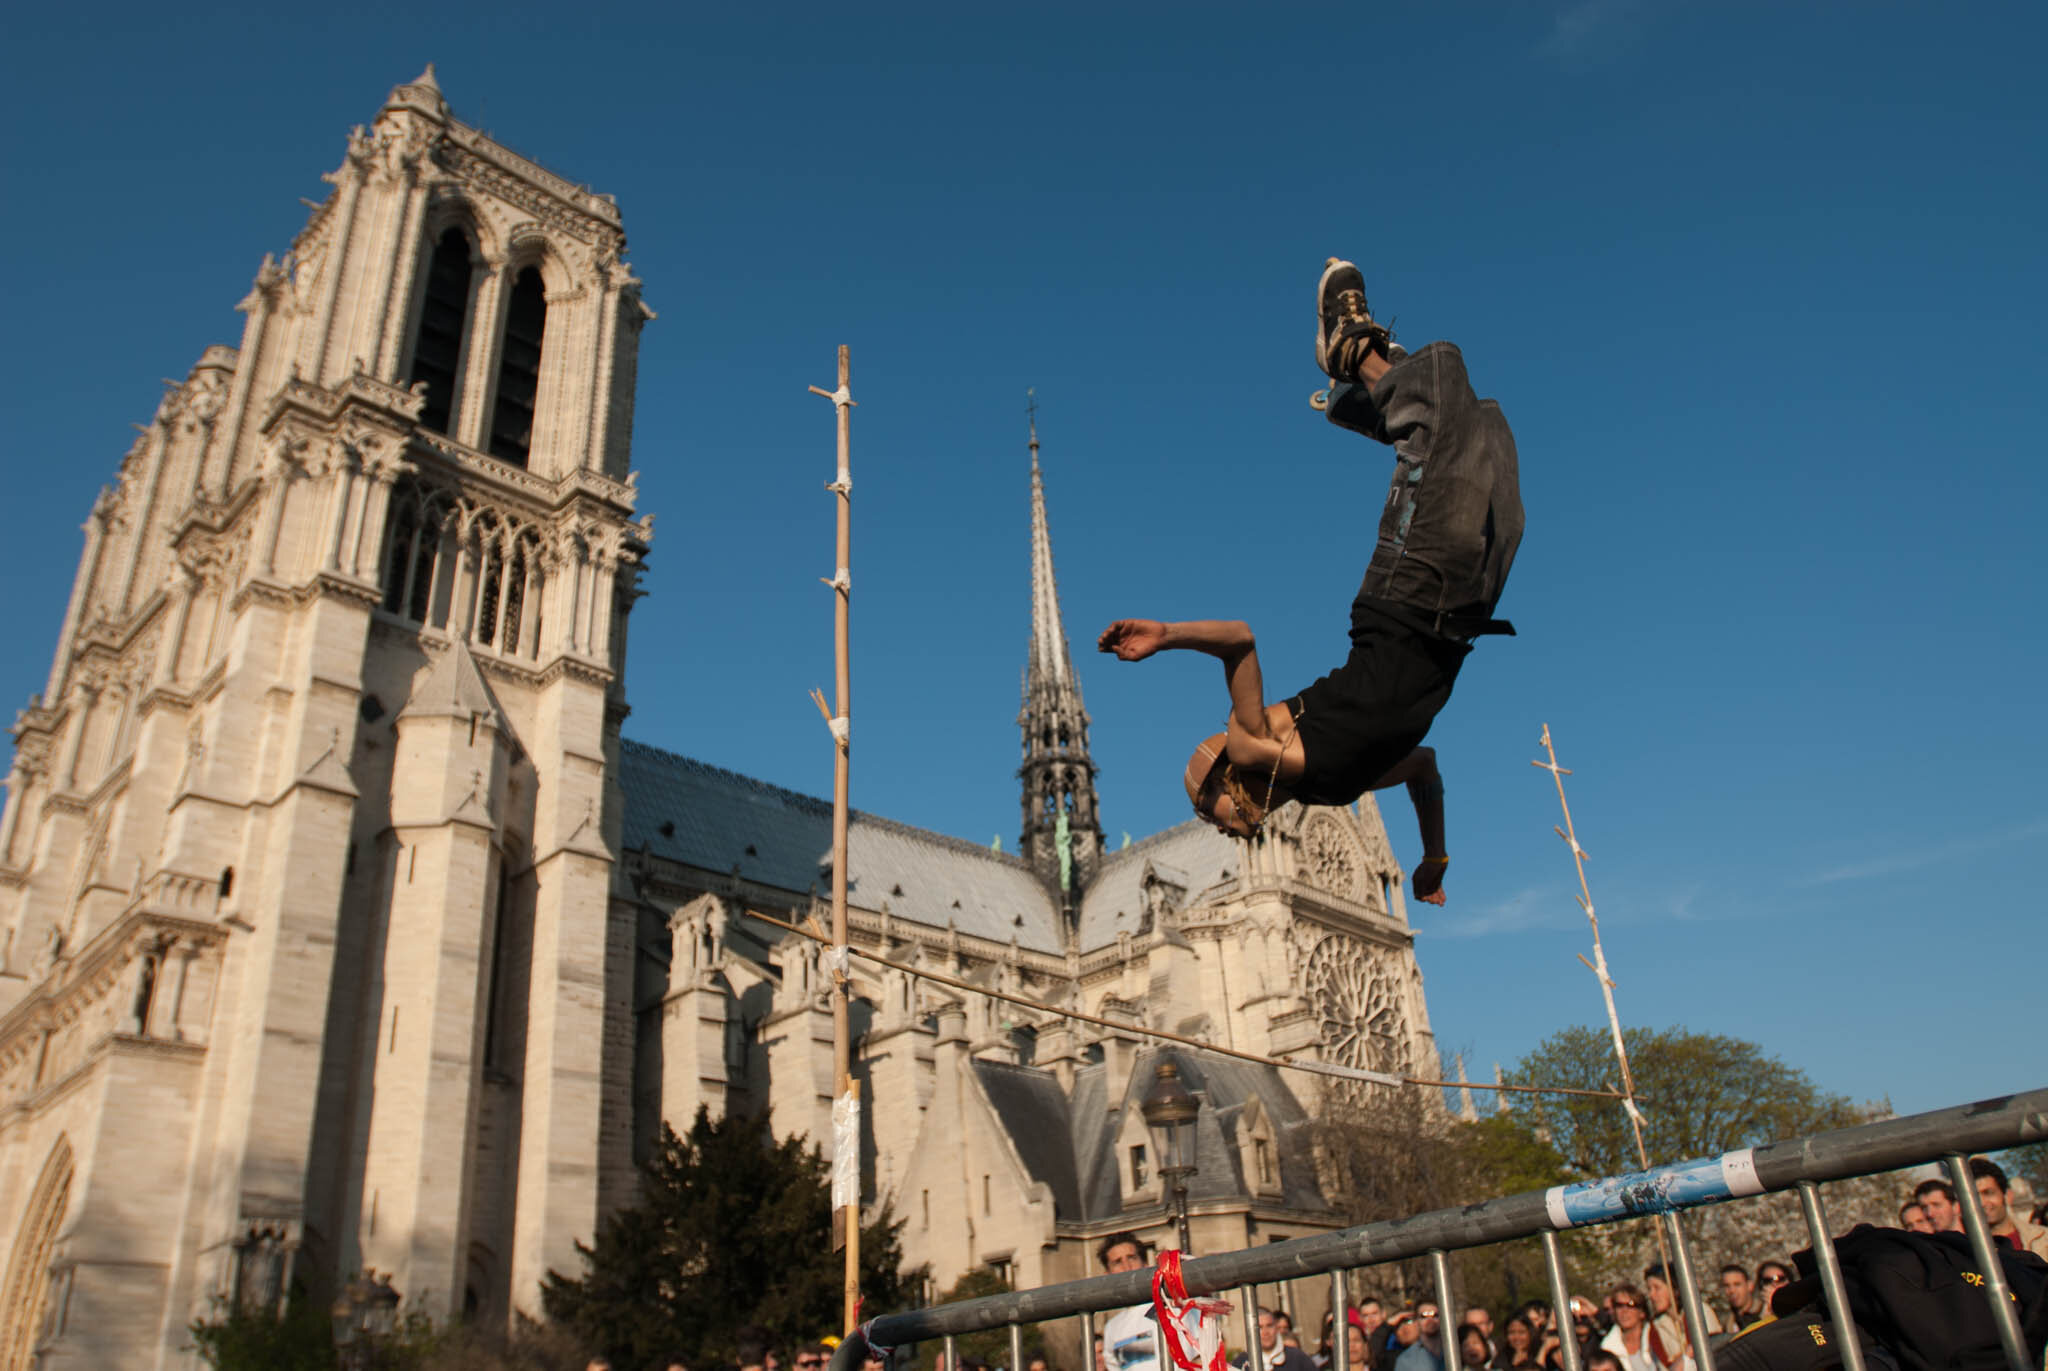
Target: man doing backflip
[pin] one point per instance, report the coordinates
(1447, 538)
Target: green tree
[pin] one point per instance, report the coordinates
(2029, 1160)
(1700, 1094)
(1390, 1154)
(733, 1228)
(243, 1340)
(301, 1338)
(991, 1345)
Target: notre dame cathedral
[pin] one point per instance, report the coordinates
(341, 929)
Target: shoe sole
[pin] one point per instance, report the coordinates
(1331, 268)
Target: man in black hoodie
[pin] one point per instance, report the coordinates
(1918, 1300)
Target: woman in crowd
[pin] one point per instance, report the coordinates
(1630, 1340)
(1472, 1348)
(1771, 1277)
(1519, 1339)
(1355, 1353)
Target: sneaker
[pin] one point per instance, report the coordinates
(1345, 329)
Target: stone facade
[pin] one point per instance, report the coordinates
(339, 928)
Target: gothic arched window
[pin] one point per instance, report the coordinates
(437, 350)
(526, 321)
(25, 1298)
(491, 579)
(413, 570)
(401, 543)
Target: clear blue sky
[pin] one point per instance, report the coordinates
(1760, 286)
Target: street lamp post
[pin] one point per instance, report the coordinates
(366, 1310)
(1170, 1111)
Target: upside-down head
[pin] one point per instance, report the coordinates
(1216, 789)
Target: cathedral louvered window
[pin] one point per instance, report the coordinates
(412, 555)
(437, 351)
(405, 528)
(526, 319)
(515, 600)
(490, 594)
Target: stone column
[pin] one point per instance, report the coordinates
(157, 444)
(461, 607)
(277, 475)
(603, 570)
(181, 975)
(335, 525)
(19, 779)
(597, 412)
(352, 523)
(88, 572)
(383, 474)
(399, 282)
(227, 436)
(529, 604)
(83, 701)
(337, 262)
(471, 423)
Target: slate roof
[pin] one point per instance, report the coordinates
(1114, 900)
(1034, 1113)
(1227, 1085)
(700, 815)
(1070, 1143)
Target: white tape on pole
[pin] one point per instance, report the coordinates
(846, 1151)
(1738, 1169)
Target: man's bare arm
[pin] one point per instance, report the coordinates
(1425, 785)
(1228, 640)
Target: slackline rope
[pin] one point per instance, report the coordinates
(1285, 1063)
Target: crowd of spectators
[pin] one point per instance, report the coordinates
(1632, 1327)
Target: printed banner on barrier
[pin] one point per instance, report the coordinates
(1681, 1185)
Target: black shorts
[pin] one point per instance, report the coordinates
(1369, 713)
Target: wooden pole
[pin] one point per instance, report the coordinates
(846, 1090)
(1598, 966)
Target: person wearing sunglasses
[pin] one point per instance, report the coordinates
(1630, 1340)
(1771, 1277)
(1448, 532)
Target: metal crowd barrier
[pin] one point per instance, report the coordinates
(1946, 1135)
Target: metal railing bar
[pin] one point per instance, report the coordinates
(1560, 1303)
(1340, 1327)
(1689, 1295)
(952, 1355)
(1984, 1126)
(1248, 1296)
(1831, 1277)
(1016, 1347)
(1995, 1289)
(1446, 1312)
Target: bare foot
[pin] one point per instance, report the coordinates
(1428, 882)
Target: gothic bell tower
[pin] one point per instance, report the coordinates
(1062, 838)
(311, 955)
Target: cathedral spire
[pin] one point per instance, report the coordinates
(1062, 838)
(1048, 634)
